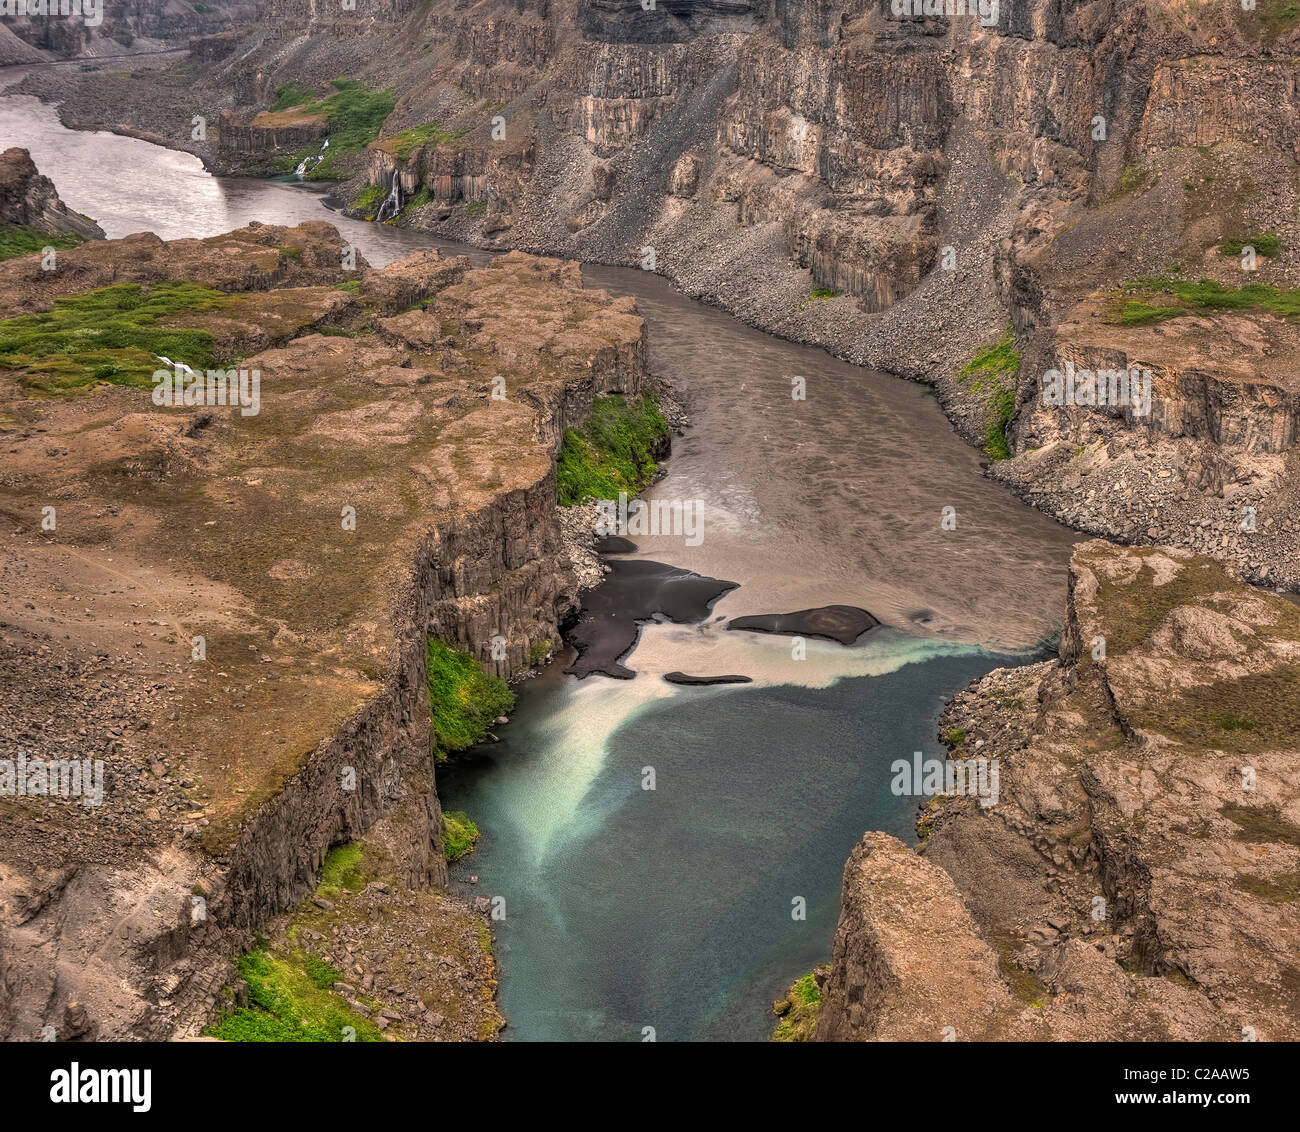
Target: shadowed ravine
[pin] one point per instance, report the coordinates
(671, 908)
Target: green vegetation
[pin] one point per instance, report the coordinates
(111, 334)
(1269, 19)
(538, 653)
(1134, 306)
(369, 200)
(1285, 889)
(352, 286)
(321, 974)
(1230, 722)
(1265, 243)
(15, 241)
(459, 835)
(292, 94)
(1261, 824)
(995, 368)
(417, 202)
(955, 736)
(612, 452)
(289, 1001)
(464, 698)
(343, 869)
(799, 1011)
(354, 115)
(817, 294)
(1132, 179)
(476, 208)
(401, 144)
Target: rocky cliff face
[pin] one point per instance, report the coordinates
(1137, 878)
(898, 189)
(124, 26)
(252, 647)
(29, 200)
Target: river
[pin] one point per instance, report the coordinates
(675, 910)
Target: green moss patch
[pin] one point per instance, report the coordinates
(993, 371)
(612, 452)
(16, 241)
(344, 868)
(465, 699)
(1266, 244)
(1147, 301)
(459, 835)
(289, 1001)
(1262, 824)
(799, 1011)
(401, 144)
(369, 200)
(112, 334)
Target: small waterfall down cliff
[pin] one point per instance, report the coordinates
(392, 203)
(307, 162)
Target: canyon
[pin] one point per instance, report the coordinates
(1100, 184)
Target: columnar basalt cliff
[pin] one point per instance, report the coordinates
(120, 28)
(241, 600)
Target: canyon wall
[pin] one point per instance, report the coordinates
(119, 27)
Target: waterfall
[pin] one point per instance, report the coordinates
(393, 203)
(307, 162)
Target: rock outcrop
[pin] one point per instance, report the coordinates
(29, 200)
(1137, 879)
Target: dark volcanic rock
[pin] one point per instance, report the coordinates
(843, 623)
(615, 544)
(634, 592)
(683, 678)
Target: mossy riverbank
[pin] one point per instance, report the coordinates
(614, 451)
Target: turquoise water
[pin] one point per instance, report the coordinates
(671, 908)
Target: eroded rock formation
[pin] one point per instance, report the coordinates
(29, 200)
